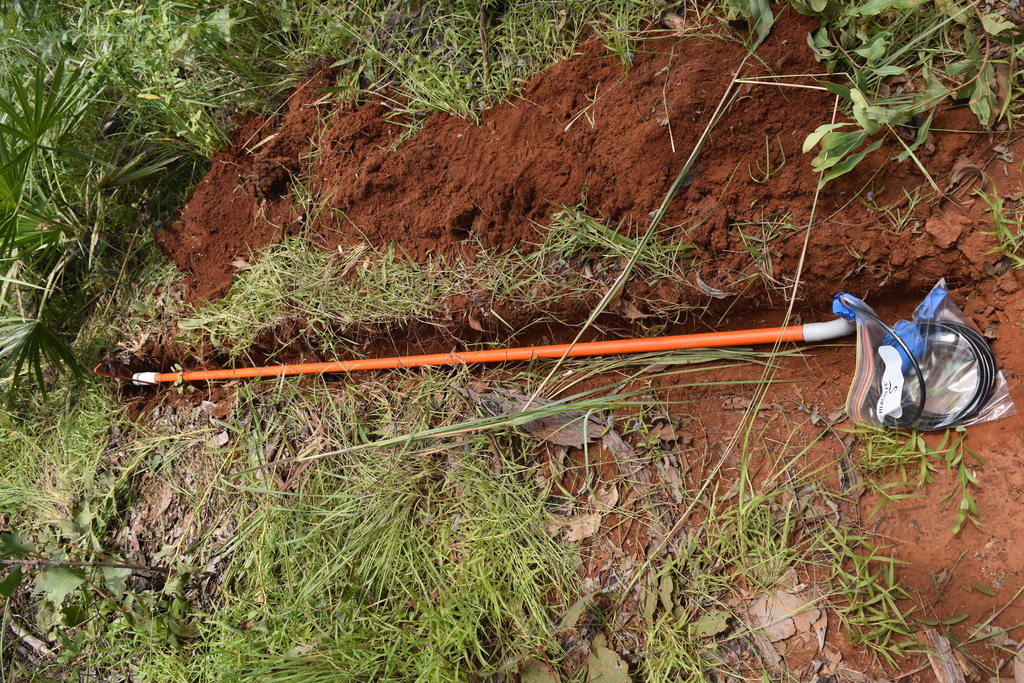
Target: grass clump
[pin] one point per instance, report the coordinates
(326, 294)
(458, 57)
(333, 299)
(48, 461)
(915, 461)
(384, 563)
(1007, 230)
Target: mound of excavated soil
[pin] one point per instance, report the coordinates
(590, 129)
(585, 129)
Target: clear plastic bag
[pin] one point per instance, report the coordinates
(932, 372)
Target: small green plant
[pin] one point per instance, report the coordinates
(956, 462)
(841, 151)
(873, 600)
(1007, 230)
(901, 59)
(758, 238)
(887, 453)
(765, 173)
(83, 586)
(903, 214)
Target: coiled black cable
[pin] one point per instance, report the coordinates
(986, 369)
(914, 413)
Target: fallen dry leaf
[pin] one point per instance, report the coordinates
(536, 671)
(672, 477)
(742, 403)
(711, 624)
(783, 614)
(607, 497)
(834, 658)
(166, 496)
(575, 529)
(736, 403)
(575, 611)
(473, 322)
(627, 310)
(820, 628)
(670, 429)
(605, 666)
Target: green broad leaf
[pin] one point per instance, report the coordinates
(821, 131)
(58, 582)
(957, 68)
(874, 48)
(982, 588)
(837, 89)
(711, 624)
(1014, 36)
(888, 70)
(850, 163)
(873, 7)
(761, 11)
(861, 114)
(981, 104)
(995, 24)
(605, 666)
(821, 44)
(650, 601)
(74, 615)
(665, 592)
(13, 543)
(116, 580)
(954, 619)
(982, 98)
(11, 582)
(954, 10)
(221, 22)
(835, 147)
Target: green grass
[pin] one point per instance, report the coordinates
(47, 461)
(1006, 230)
(291, 287)
(898, 466)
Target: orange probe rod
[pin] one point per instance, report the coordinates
(769, 335)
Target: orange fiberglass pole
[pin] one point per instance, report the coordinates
(809, 332)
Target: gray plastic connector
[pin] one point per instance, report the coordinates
(833, 329)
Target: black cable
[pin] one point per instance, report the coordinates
(987, 370)
(914, 415)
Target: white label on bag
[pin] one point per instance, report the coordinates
(890, 399)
